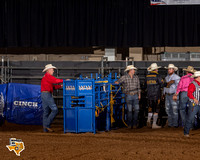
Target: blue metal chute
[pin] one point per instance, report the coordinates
(78, 106)
(88, 104)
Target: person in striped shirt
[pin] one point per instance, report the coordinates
(194, 105)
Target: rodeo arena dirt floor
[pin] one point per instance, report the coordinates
(123, 143)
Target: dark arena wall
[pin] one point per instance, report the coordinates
(108, 23)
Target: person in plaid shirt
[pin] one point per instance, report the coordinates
(131, 88)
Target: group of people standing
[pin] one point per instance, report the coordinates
(178, 93)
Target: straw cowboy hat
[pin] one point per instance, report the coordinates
(172, 66)
(129, 68)
(153, 67)
(48, 66)
(196, 74)
(189, 69)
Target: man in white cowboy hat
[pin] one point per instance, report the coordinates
(171, 106)
(48, 83)
(153, 83)
(194, 103)
(182, 88)
(131, 88)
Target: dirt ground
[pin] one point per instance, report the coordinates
(139, 144)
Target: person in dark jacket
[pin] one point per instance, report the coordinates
(153, 83)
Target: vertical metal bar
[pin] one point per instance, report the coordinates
(133, 61)
(102, 68)
(96, 76)
(108, 118)
(5, 73)
(2, 69)
(93, 105)
(119, 72)
(76, 119)
(8, 66)
(126, 61)
(11, 74)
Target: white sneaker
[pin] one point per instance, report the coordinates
(187, 135)
(155, 126)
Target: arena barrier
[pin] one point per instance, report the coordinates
(91, 104)
(21, 103)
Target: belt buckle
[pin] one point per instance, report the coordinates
(132, 93)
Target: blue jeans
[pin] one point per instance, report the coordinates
(183, 104)
(171, 110)
(132, 102)
(192, 111)
(50, 109)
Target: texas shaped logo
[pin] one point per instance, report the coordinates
(16, 145)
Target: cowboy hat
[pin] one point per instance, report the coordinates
(189, 69)
(129, 68)
(196, 74)
(172, 66)
(48, 66)
(153, 67)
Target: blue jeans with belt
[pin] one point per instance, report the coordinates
(50, 109)
(171, 110)
(132, 102)
(192, 111)
(183, 104)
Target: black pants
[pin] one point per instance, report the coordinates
(153, 106)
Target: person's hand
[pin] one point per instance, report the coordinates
(139, 96)
(61, 85)
(116, 82)
(170, 83)
(158, 101)
(196, 101)
(175, 97)
(67, 79)
(163, 97)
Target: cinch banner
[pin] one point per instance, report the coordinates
(175, 2)
(24, 105)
